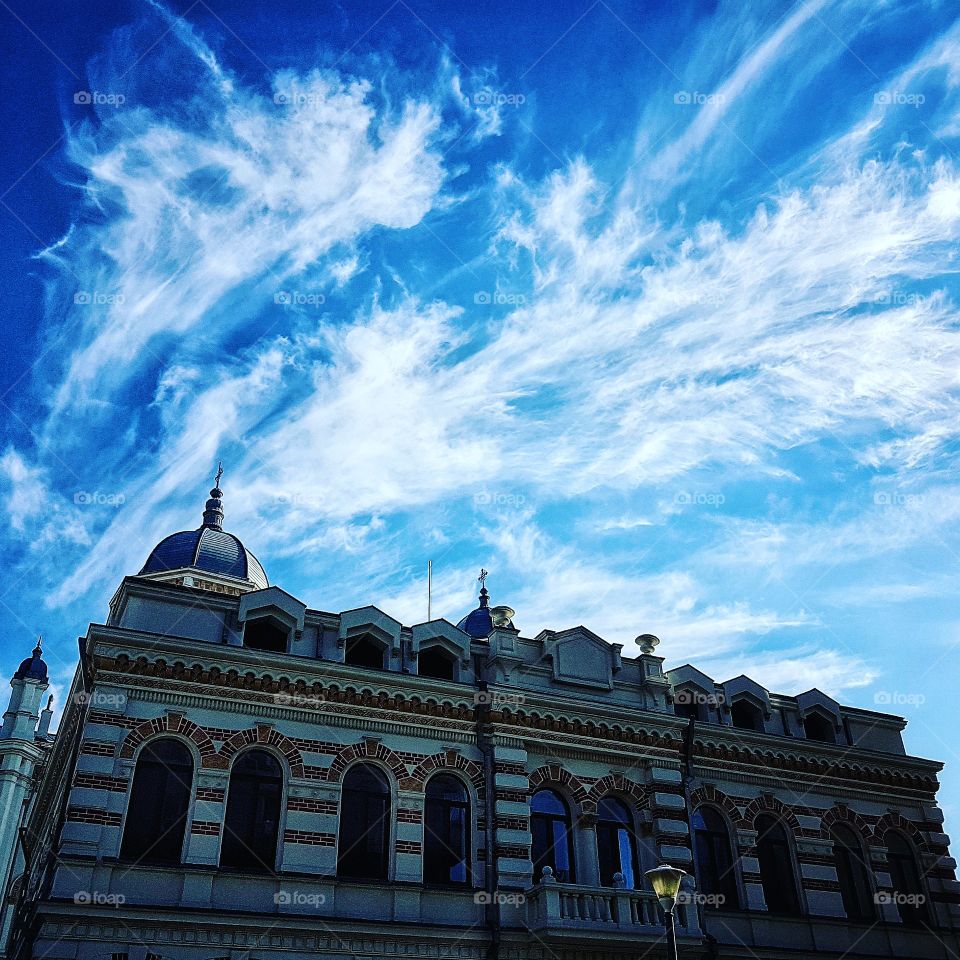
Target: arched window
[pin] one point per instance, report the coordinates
(446, 841)
(910, 900)
(159, 803)
(617, 844)
(714, 859)
(552, 836)
(817, 727)
(746, 715)
(436, 662)
(364, 652)
(251, 826)
(775, 857)
(852, 874)
(364, 824)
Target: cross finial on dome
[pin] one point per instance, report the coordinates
(484, 596)
(213, 512)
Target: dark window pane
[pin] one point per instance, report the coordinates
(159, 802)
(818, 727)
(552, 836)
(252, 823)
(364, 824)
(436, 662)
(446, 832)
(714, 860)
(908, 892)
(746, 715)
(265, 633)
(364, 652)
(852, 875)
(776, 867)
(616, 843)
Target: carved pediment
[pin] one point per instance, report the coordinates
(580, 657)
(443, 633)
(355, 623)
(272, 602)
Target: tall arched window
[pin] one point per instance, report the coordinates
(775, 857)
(159, 803)
(908, 892)
(364, 824)
(617, 844)
(852, 874)
(446, 841)
(714, 859)
(251, 826)
(552, 836)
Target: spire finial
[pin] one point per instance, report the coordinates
(39, 647)
(483, 587)
(213, 512)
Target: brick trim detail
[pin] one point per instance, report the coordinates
(100, 781)
(366, 749)
(262, 734)
(310, 838)
(617, 782)
(445, 760)
(848, 817)
(91, 815)
(172, 723)
(894, 821)
(553, 773)
(767, 803)
(207, 828)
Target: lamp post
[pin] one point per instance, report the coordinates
(665, 881)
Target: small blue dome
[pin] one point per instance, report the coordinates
(33, 668)
(478, 623)
(209, 549)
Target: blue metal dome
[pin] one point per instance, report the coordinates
(209, 548)
(480, 622)
(33, 668)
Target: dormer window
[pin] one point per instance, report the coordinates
(437, 663)
(817, 727)
(364, 651)
(746, 715)
(266, 633)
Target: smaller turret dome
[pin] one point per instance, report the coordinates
(480, 622)
(33, 668)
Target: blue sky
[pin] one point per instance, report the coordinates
(650, 311)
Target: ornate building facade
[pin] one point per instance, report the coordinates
(238, 776)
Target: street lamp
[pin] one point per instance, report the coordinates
(665, 881)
